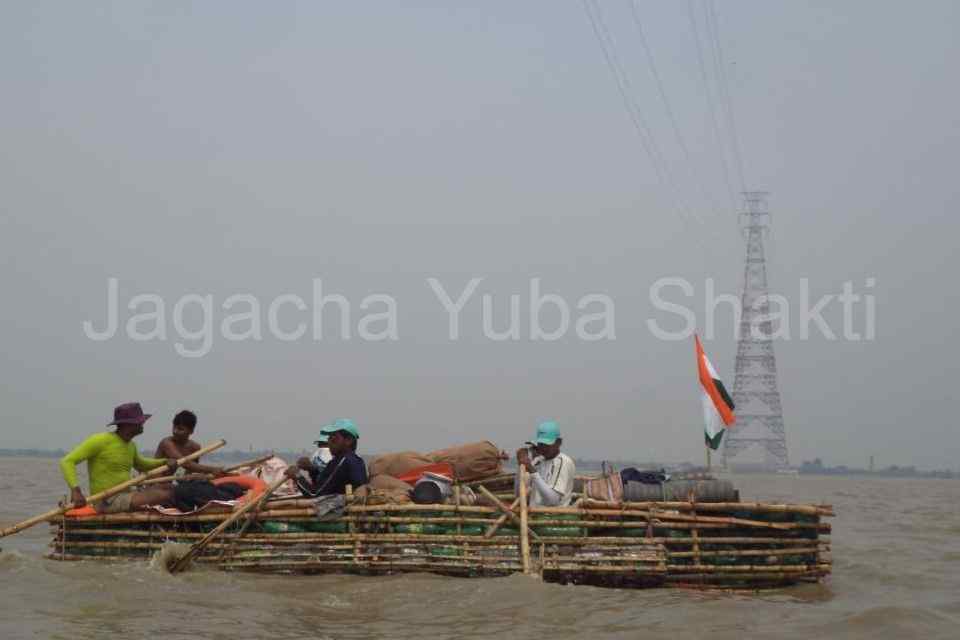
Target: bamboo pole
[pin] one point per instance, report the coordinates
(768, 575)
(507, 511)
(304, 514)
(503, 477)
(318, 537)
(249, 463)
(759, 507)
(456, 501)
(745, 568)
(492, 529)
(617, 507)
(26, 524)
(165, 479)
(420, 507)
(251, 517)
(599, 507)
(524, 530)
(207, 476)
(735, 553)
(183, 562)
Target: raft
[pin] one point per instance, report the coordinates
(731, 545)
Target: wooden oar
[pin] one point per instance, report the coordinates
(249, 463)
(112, 491)
(207, 476)
(185, 561)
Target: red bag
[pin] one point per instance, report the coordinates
(443, 468)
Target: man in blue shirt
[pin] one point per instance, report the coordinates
(345, 468)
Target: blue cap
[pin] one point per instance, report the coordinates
(341, 424)
(547, 432)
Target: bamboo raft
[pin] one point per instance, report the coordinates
(740, 545)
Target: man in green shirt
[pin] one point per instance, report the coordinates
(110, 457)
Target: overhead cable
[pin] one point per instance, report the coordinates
(710, 104)
(608, 47)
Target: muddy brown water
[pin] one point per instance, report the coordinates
(896, 552)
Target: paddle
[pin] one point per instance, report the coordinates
(249, 463)
(185, 561)
(207, 476)
(26, 524)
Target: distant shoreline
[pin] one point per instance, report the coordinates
(806, 469)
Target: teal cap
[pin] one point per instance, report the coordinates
(341, 424)
(547, 432)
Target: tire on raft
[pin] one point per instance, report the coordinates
(680, 490)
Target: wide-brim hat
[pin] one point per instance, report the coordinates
(129, 413)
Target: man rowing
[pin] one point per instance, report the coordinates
(110, 456)
(345, 468)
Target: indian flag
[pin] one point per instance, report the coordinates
(717, 405)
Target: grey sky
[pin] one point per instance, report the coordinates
(226, 148)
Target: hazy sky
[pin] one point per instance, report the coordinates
(239, 147)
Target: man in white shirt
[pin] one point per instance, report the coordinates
(320, 458)
(551, 472)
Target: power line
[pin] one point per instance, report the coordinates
(714, 30)
(608, 47)
(710, 104)
(666, 103)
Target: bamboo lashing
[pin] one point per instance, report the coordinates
(183, 562)
(123, 486)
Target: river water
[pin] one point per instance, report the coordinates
(896, 553)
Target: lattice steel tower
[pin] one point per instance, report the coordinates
(755, 391)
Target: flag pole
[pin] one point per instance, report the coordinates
(708, 458)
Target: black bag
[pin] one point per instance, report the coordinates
(190, 495)
(646, 477)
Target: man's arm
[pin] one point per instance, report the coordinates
(308, 487)
(169, 449)
(143, 465)
(549, 497)
(68, 466)
(555, 494)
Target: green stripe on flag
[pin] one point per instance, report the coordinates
(714, 442)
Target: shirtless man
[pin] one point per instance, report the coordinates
(180, 445)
